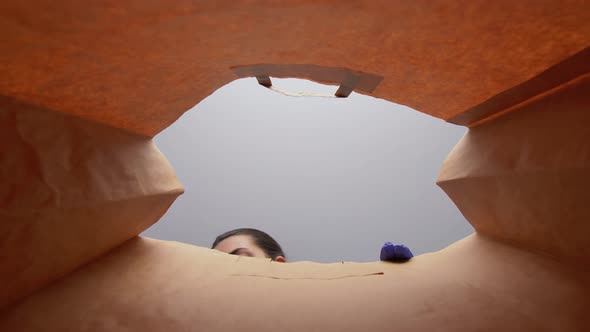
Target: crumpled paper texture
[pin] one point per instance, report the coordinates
(70, 190)
(524, 177)
(86, 84)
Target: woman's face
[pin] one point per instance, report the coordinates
(242, 245)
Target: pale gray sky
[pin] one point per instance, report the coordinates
(331, 179)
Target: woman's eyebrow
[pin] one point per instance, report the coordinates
(236, 251)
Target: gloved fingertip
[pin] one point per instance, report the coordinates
(395, 252)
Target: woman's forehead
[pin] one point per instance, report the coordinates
(234, 242)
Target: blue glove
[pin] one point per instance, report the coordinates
(395, 253)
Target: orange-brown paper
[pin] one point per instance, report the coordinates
(148, 285)
(140, 64)
(84, 85)
(71, 190)
(524, 178)
(517, 274)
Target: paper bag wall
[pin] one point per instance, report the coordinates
(84, 86)
(140, 65)
(525, 270)
(147, 285)
(71, 190)
(524, 178)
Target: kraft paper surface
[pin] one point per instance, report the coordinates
(86, 84)
(70, 190)
(139, 65)
(148, 285)
(525, 176)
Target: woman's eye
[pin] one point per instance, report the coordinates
(242, 252)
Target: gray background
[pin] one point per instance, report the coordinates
(331, 179)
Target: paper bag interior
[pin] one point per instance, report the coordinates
(85, 86)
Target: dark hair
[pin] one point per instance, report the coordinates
(270, 247)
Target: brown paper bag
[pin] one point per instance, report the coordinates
(85, 85)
